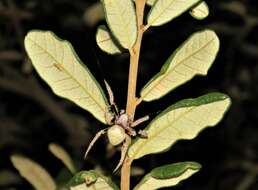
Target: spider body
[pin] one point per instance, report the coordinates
(121, 128)
(123, 120)
(116, 135)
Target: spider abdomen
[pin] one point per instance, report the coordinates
(116, 135)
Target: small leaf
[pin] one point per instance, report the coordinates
(37, 176)
(62, 155)
(201, 11)
(164, 11)
(183, 120)
(106, 42)
(57, 63)
(168, 175)
(90, 180)
(121, 19)
(194, 57)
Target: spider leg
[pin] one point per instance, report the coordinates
(109, 117)
(143, 134)
(97, 136)
(110, 93)
(124, 150)
(139, 121)
(111, 96)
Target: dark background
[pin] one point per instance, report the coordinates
(31, 116)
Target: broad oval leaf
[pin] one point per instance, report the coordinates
(35, 174)
(201, 11)
(193, 57)
(106, 42)
(183, 120)
(168, 175)
(57, 63)
(164, 11)
(62, 155)
(90, 180)
(121, 19)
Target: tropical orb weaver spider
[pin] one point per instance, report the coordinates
(121, 128)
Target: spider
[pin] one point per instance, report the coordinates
(121, 128)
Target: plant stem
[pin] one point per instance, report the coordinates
(134, 60)
(132, 82)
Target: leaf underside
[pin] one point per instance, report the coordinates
(150, 2)
(106, 42)
(90, 180)
(57, 63)
(35, 174)
(168, 175)
(183, 120)
(121, 19)
(194, 57)
(201, 11)
(164, 11)
(62, 155)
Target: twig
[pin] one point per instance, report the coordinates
(132, 82)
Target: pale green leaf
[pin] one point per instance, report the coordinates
(168, 175)
(201, 11)
(62, 155)
(150, 2)
(57, 63)
(194, 57)
(121, 19)
(35, 174)
(183, 120)
(106, 42)
(90, 180)
(164, 11)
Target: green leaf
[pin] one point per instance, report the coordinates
(183, 120)
(90, 180)
(168, 175)
(106, 42)
(201, 11)
(57, 63)
(164, 11)
(121, 19)
(62, 155)
(194, 57)
(151, 2)
(35, 174)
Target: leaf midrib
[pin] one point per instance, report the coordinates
(162, 12)
(66, 71)
(162, 129)
(172, 69)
